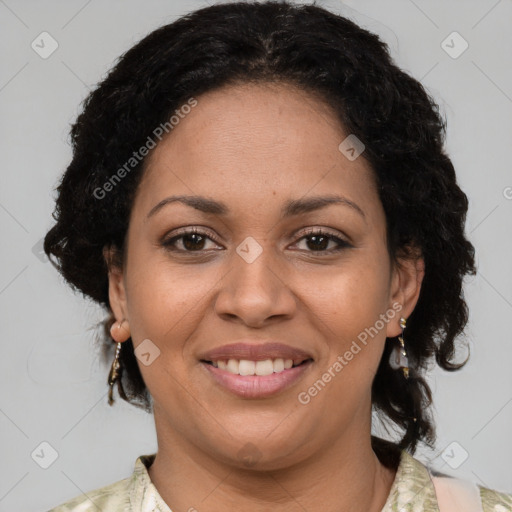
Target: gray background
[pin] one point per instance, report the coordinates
(52, 380)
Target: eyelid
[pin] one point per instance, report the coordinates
(341, 241)
(325, 232)
(188, 230)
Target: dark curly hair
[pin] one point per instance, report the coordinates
(351, 70)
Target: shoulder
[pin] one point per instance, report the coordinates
(495, 501)
(455, 491)
(110, 498)
(133, 493)
(417, 488)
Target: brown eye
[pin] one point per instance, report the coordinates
(318, 241)
(191, 241)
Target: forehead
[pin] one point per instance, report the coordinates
(255, 140)
(262, 120)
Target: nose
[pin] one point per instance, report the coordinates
(256, 291)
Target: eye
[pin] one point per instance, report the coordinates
(319, 241)
(191, 240)
(194, 240)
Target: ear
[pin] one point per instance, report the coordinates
(120, 331)
(407, 277)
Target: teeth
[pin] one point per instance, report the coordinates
(264, 367)
(246, 367)
(232, 366)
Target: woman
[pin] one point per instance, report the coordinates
(260, 199)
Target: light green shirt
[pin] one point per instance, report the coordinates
(412, 491)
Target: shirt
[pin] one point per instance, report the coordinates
(412, 491)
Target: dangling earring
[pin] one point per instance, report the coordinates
(398, 357)
(115, 373)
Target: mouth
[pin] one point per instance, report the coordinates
(261, 368)
(255, 370)
(256, 379)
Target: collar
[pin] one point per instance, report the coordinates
(143, 494)
(412, 488)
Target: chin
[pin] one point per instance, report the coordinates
(261, 455)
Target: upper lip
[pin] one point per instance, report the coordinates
(256, 352)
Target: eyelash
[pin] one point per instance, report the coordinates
(342, 244)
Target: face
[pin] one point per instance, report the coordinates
(257, 272)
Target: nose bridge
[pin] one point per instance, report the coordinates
(253, 263)
(255, 288)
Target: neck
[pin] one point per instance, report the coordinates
(347, 475)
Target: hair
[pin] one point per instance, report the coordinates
(323, 54)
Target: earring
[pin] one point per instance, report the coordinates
(398, 357)
(115, 373)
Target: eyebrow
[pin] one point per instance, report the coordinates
(291, 207)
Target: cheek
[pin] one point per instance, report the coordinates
(350, 305)
(165, 305)
(353, 294)
(165, 297)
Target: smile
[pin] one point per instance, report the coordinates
(261, 368)
(256, 379)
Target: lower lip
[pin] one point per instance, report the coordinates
(257, 386)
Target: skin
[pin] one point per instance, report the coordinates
(254, 147)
